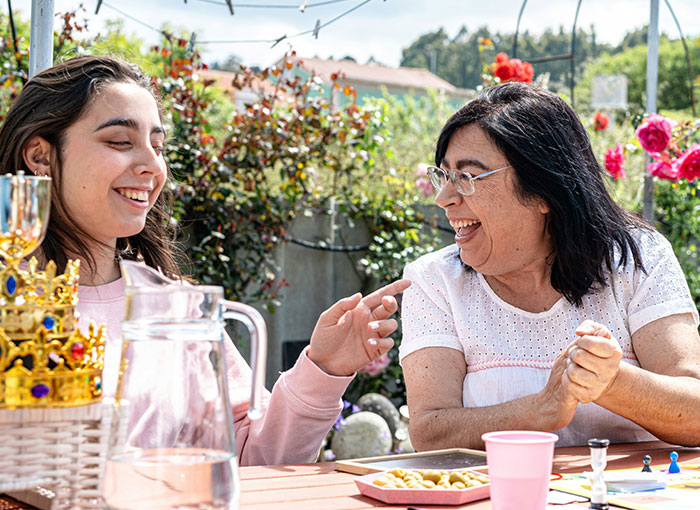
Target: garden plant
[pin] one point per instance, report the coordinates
(242, 176)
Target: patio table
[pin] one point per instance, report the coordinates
(320, 486)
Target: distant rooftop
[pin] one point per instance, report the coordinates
(404, 77)
(224, 80)
(248, 93)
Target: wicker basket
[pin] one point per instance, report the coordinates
(56, 455)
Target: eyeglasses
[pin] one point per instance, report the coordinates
(463, 181)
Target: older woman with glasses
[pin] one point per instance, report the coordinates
(555, 309)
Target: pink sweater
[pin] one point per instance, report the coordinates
(301, 409)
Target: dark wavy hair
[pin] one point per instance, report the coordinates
(48, 105)
(547, 146)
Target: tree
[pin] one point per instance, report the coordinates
(637, 37)
(460, 63)
(232, 63)
(673, 88)
(117, 43)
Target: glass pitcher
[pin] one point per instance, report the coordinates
(172, 440)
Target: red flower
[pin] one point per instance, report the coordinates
(655, 133)
(688, 164)
(527, 72)
(522, 70)
(502, 57)
(511, 69)
(504, 71)
(600, 121)
(614, 161)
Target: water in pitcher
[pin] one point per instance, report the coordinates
(172, 479)
(177, 452)
(172, 444)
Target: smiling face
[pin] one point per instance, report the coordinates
(112, 167)
(498, 232)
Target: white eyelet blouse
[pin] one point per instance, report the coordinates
(509, 352)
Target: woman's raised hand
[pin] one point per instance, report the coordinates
(353, 332)
(593, 362)
(558, 404)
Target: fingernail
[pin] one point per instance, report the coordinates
(372, 341)
(374, 325)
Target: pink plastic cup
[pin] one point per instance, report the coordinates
(520, 464)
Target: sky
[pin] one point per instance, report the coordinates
(375, 28)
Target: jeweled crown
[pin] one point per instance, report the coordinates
(45, 361)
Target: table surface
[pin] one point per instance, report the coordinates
(320, 486)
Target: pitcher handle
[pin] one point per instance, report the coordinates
(258, 349)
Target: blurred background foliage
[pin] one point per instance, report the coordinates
(242, 176)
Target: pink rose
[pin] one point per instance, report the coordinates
(614, 159)
(655, 132)
(688, 164)
(377, 366)
(663, 170)
(422, 170)
(426, 189)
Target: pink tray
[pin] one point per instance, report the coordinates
(420, 496)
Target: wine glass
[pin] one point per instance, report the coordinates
(25, 204)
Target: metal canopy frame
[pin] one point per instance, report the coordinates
(41, 36)
(570, 55)
(41, 56)
(651, 78)
(41, 33)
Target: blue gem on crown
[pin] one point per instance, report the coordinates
(48, 322)
(11, 285)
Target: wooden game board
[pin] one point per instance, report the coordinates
(682, 490)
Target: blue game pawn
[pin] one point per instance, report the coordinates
(647, 461)
(673, 468)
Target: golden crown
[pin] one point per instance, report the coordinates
(45, 361)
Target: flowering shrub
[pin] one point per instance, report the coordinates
(655, 132)
(377, 366)
(241, 177)
(600, 121)
(663, 170)
(348, 409)
(688, 164)
(672, 146)
(674, 149)
(423, 183)
(614, 161)
(504, 69)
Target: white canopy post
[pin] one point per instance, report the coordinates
(41, 36)
(652, 85)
